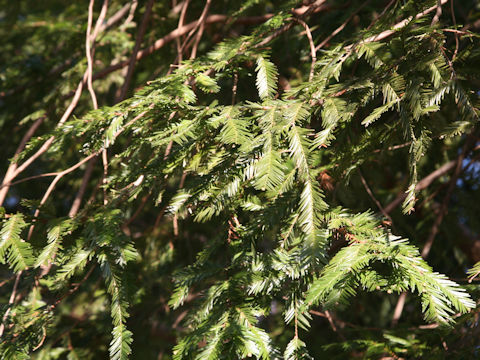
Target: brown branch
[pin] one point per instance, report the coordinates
(175, 216)
(341, 27)
(15, 170)
(44, 336)
(83, 187)
(439, 217)
(422, 184)
(131, 14)
(211, 19)
(138, 211)
(370, 193)
(181, 21)
(313, 50)
(13, 166)
(438, 13)
(89, 45)
(399, 25)
(332, 324)
(74, 167)
(453, 183)
(7, 280)
(397, 313)
(394, 147)
(385, 9)
(136, 49)
(234, 87)
(10, 302)
(201, 26)
(112, 20)
(105, 175)
(59, 68)
(457, 44)
(52, 186)
(75, 288)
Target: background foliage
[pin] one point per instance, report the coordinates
(236, 179)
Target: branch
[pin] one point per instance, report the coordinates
(341, 27)
(10, 302)
(370, 193)
(457, 44)
(180, 31)
(138, 43)
(422, 184)
(13, 166)
(439, 218)
(436, 18)
(74, 167)
(398, 26)
(200, 26)
(83, 187)
(13, 171)
(90, 43)
(453, 183)
(181, 21)
(313, 50)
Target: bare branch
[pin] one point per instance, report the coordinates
(138, 43)
(81, 192)
(341, 27)
(201, 26)
(370, 193)
(313, 50)
(10, 302)
(13, 165)
(438, 13)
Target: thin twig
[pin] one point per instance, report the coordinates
(99, 24)
(422, 184)
(385, 9)
(131, 14)
(75, 288)
(52, 186)
(332, 324)
(175, 216)
(138, 211)
(370, 193)
(341, 27)
(89, 78)
(397, 313)
(181, 21)
(457, 43)
(394, 147)
(201, 27)
(44, 336)
(136, 49)
(7, 280)
(234, 87)
(10, 302)
(443, 210)
(112, 20)
(13, 166)
(313, 50)
(81, 191)
(211, 19)
(89, 50)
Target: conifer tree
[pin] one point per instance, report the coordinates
(231, 180)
